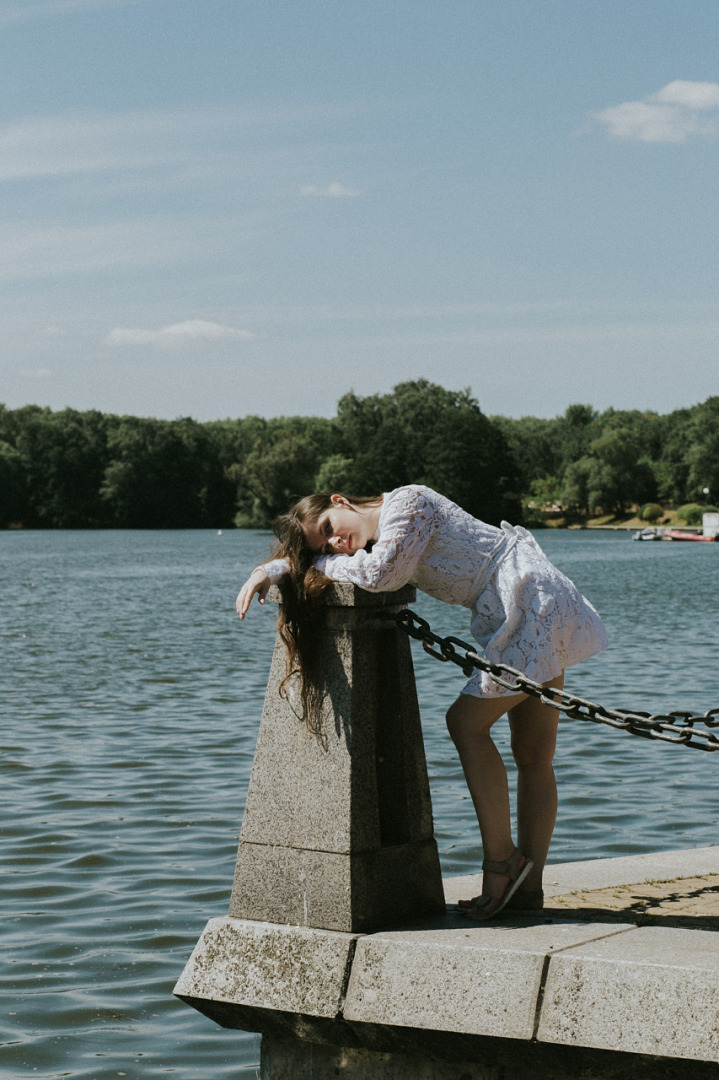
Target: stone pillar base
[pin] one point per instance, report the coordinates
(354, 892)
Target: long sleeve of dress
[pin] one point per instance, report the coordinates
(406, 525)
(275, 569)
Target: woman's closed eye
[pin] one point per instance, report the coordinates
(327, 532)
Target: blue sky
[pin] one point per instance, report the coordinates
(214, 208)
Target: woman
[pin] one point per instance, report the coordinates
(525, 613)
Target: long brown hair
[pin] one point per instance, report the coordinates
(302, 588)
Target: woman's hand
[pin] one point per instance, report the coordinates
(258, 582)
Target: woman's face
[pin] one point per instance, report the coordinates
(340, 530)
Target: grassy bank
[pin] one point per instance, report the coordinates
(605, 521)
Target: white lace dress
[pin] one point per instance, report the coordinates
(525, 612)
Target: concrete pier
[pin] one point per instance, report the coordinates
(555, 995)
(338, 947)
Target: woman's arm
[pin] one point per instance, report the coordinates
(408, 520)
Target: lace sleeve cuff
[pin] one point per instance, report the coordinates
(275, 569)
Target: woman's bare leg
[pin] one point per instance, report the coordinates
(470, 720)
(534, 738)
(534, 729)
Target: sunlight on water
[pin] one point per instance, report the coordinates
(131, 700)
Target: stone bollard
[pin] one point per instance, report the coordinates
(337, 831)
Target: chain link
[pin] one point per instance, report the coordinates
(673, 727)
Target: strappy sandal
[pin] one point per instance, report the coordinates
(489, 906)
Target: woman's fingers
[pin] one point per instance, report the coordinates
(245, 598)
(241, 602)
(258, 583)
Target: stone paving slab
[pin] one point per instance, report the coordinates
(630, 870)
(690, 903)
(269, 966)
(480, 979)
(649, 991)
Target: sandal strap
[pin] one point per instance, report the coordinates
(509, 868)
(503, 868)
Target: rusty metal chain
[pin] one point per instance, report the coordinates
(673, 727)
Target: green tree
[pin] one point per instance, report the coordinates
(575, 484)
(13, 496)
(671, 467)
(63, 456)
(278, 461)
(536, 447)
(422, 433)
(273, 476)
(163, 474)
(334, 474)
(575, 431)
(702, 451)
(620, 474)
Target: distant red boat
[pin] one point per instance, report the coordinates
(678, 534)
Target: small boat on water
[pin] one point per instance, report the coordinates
(651, 532)
(679, 534)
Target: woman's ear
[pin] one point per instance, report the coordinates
(338, 500)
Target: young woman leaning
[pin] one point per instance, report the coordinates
(525, 613)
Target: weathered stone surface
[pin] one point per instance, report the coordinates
(650, 991)
(348, 789)
(289, 968)
(554, 1001)
(337, 891)
(337, 829)
(480, 979)
(341, 594)
(630, 870)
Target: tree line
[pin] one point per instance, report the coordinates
(71, 469)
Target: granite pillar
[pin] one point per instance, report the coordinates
(337, 832)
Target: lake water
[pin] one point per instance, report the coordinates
(131, 697)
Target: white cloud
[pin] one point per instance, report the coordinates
(84, 143)
(27, 253)
(695, 95)
(39, 9)
(35, 373)
(670, 115)
(178, 334)
(334, 190)
(216, 140)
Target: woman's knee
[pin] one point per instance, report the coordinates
(471, 715)
(527, 759)
(534, 749)
(453, 719)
